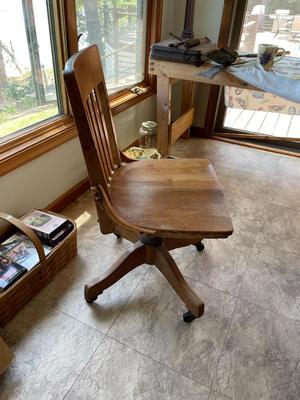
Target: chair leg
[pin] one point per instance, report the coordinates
(168, 267)
(199, 246)
(126, 263)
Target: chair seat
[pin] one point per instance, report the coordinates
(174, 197)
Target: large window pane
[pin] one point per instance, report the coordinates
(28, 93)
(118, 27)
(276, 22)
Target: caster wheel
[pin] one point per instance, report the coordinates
(91, 300)
(188, 317)
(200, 246)
(117, 235)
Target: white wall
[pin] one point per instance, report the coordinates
(208, 15)
(44, 179)
(41, 181)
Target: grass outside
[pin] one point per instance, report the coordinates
(15, 123)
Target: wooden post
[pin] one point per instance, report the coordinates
(188, 32)
(163, 114)
(187, 101)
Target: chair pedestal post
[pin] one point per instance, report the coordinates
(152, 251)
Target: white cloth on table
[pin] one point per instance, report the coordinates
(283, 80)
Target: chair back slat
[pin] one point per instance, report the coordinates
(103, 136)
(107, 120)
(96, 138)
(87, 92)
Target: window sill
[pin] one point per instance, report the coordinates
(129, 99)
(18, 151)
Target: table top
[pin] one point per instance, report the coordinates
(189, 72)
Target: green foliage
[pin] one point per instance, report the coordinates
(13, 123)
(18, 87)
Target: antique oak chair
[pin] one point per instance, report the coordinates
(158, 205)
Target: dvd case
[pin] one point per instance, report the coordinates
(10, 272)
(22, 251)
(51, 229)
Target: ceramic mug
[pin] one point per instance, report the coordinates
(267, 53)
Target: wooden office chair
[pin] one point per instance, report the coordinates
(157, 204)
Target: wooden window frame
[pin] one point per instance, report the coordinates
(230, 34)
(41, 138)
(124, 98)
(207, 131)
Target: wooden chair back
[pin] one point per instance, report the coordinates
(84, 80)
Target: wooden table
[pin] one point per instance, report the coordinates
(169, 72)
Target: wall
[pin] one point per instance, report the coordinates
(44, 179)
(208, 15)
(41, 181)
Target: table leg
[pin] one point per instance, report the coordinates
(187, 101)
(163, 115)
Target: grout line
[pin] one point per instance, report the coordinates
(124, 305)
(85, 365)
(82, 322)
(209, 286)
(237, 296)
(156, 361)
(104, 334)
(269, 310)
(222, 348)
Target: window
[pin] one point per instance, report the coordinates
(119, 29)
(28, 71)
(36, 39)
(258, 116)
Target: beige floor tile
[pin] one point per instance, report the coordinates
(51, 350)
(289, 167)
(243, 181)
(66, 292)
(221, 265)
(217, 396)
(117, 372)
(247, 157)
(260, 359)
(285, 192)
(152, 324)
(272, 280)
(54, 337)
(280, 228)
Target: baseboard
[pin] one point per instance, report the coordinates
(69, 196)
(198, 131)
(256, 146)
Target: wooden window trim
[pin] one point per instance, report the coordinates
(39, 139)
(214, 91)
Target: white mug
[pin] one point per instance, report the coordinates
(267, 53)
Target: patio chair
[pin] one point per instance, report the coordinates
(295, 28)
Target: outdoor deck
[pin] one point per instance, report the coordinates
(269, 123)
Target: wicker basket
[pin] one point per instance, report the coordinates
(16, 296)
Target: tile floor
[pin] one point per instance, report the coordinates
(132, 343)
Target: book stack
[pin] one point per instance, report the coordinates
(18, 254)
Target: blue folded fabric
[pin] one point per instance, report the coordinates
(272, 81)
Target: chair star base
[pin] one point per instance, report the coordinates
(152, 251)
